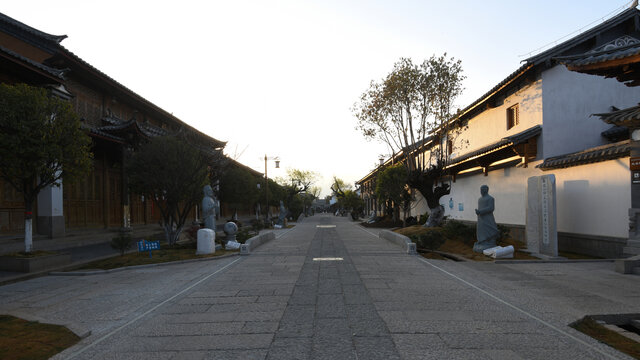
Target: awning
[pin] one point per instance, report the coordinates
(522, 144)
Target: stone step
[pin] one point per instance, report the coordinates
(631, 250)
(633, 243)
(627, 266)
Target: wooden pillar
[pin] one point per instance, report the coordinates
(105, 190)
(126, 207)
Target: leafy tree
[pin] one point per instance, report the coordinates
(238, 186)
(171, 172)
(297, 182)
(391, 187)
(338, 187)
(348, 199)
(296, 186)
(411, 111)
(41, 143)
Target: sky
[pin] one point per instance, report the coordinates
(279, 78)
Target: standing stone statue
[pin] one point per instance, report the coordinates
(207, 235)
(283, 214)
(487, 229)
(209, 208)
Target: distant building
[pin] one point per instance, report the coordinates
(537, 121)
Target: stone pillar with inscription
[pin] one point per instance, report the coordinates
(633, 242)
(541, 230)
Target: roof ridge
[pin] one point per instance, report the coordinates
(591, 149)
(545, 55)
(41, 34)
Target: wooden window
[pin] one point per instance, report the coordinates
(449, 147)
(512, 116)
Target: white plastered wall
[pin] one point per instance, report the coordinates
(570, 98)
(490, 126)
(592, 199)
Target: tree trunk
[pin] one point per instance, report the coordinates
(28, 226)
(426, 184)
(395, 211)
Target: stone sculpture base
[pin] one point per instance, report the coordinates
(206, 242)
(480, 247)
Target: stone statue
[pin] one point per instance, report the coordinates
(209, 208)
(283, 213)
(487, 229)
(231, 229)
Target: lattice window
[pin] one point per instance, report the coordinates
(513, 116)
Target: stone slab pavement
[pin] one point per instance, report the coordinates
(330, 289)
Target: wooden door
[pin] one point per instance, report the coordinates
(11, 210)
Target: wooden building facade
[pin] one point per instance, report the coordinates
(116, 118)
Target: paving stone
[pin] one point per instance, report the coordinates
(290, 348)
(256, 354)
(377, 303)
(373, 348)
(253, 327)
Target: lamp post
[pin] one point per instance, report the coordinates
(266, 183)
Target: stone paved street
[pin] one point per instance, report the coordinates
(330, 289)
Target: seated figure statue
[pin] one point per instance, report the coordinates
(487, 229)
(208, 208)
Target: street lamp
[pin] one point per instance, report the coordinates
(266, 182)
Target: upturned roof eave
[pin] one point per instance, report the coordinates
(70, 56)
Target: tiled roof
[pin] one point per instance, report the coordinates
(629, 117)
(616, 133)
(105, 135)
(600, 57)
(549, 54)
(57, 73)
(67, 53)
(521, 70)
(593, 155)
(145, 129)
(26, 28)
(504, 142)
(576, 40)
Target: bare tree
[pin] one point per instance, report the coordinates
(411, 111)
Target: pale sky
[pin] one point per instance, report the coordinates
(280, 77)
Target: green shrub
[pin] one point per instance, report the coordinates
(505, 232)
(458, 230)
(423, 218)
(257, 225)
(122, 243)
(244, 234)
(431, 239)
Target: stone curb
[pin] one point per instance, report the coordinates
(98, 272)
(80, 331)
(399, 239)
(626, 266)
(254, 242)
(557, 261)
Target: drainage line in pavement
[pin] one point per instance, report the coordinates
(149, 311)
(520, 310)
